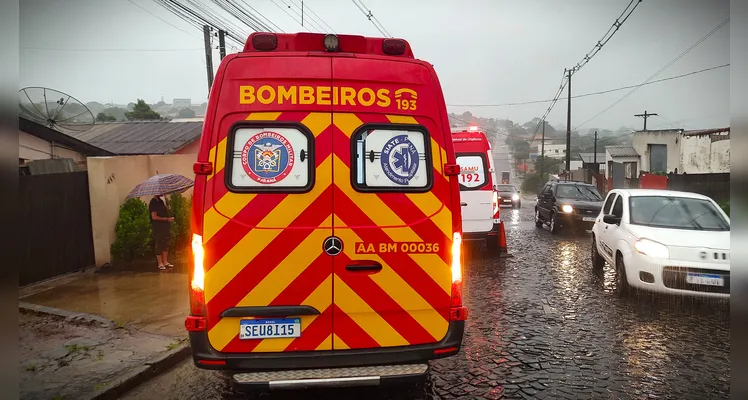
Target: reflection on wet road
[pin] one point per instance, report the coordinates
(544, 324)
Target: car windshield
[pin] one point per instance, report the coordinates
(677, 213)
(506, 188)
(579, 192)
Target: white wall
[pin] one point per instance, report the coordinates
(554, 150)
(671, 138)
(701, 156)
(31, 147)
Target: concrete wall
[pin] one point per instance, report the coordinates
(31, 147)
(702, 156)
(671, 138)
(609, 158)
(554, 150)
(110, 180)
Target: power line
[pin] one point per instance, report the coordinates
(162, 20)
(289, 15)
(306, 7)
(593, 93)
(607, 36)
(693, 46)
(370, 16)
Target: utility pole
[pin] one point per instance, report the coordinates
(222, 43)
(542, 152)
(594, 159)
(568, 127)
(645, 116)
(208, 55)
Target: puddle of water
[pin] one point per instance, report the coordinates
(153, 302)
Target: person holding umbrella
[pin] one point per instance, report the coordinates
(159, 186)
(161, 228)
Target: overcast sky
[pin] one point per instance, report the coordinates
(485, 52)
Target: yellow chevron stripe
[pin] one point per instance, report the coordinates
(263, 116)
(399, 290)
(434, 209)
(346, 122)
(402, 119)
(218, 156)
(299, 259)
(382, 215)
(338, 343)
(230, 205)
(325, 345)
(255, 241)
(436, 157)
(365, 317)
(317, 122)
(228, 328)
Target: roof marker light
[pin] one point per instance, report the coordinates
(332, 43)
(473, 128)
(393, 47)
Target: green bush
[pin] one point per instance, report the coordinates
(133, 231)
(532, 183)
(179, 207)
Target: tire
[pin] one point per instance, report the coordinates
(622, 282)
(492, 244)
(538, 221)
(554, 225)
(519, 205)
(598, 262)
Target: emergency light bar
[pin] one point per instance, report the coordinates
(307, 42)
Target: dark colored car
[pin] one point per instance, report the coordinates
(510, 196)
(568, 205)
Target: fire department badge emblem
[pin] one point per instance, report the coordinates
(400, 160)
(267, 157)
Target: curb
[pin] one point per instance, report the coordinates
(71, 316)
(130, 379)
(139, 375)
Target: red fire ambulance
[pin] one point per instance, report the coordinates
(326, 218)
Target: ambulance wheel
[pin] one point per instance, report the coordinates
(492, 244)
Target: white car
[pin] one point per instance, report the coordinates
(664, 241)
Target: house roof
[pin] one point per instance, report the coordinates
(621, 151)
(589, 158)
(51, 135)
(701, 132)
(146, 137)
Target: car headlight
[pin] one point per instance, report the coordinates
(652, 248)
(515, 197)
(567, 208)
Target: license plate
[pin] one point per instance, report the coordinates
(588, 219)
(270, 328)
(705, 279)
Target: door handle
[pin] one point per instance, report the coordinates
(463, 204)
(364, 266)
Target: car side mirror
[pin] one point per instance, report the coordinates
(611, 219)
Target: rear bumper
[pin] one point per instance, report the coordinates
(206, 357)
(471, 236)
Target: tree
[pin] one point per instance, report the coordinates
(142, 111)
(186, 113)
(101, 117)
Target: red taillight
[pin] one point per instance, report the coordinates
(445, 350)
(265, 41)
(212, 362)
(195, 324)
(451, 169)
(457, 312)
(197, 285)
(496, 209)
(393, 47)
(202, 168)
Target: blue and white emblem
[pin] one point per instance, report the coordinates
(267, 157)
(400, 159)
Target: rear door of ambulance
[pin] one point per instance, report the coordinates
(475, 184)
(392, 205)
(268, 207)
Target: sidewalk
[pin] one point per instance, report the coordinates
(95, 335)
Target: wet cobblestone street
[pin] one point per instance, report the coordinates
(544, 324)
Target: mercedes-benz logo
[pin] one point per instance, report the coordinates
(703, 255)
(332, 246)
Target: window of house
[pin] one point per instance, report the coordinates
(389, 158)
(629, 170)
(276, 158)
(657, 158)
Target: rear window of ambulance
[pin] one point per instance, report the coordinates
(473, 175)
(392, 159)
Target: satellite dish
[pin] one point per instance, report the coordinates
(54, 109)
